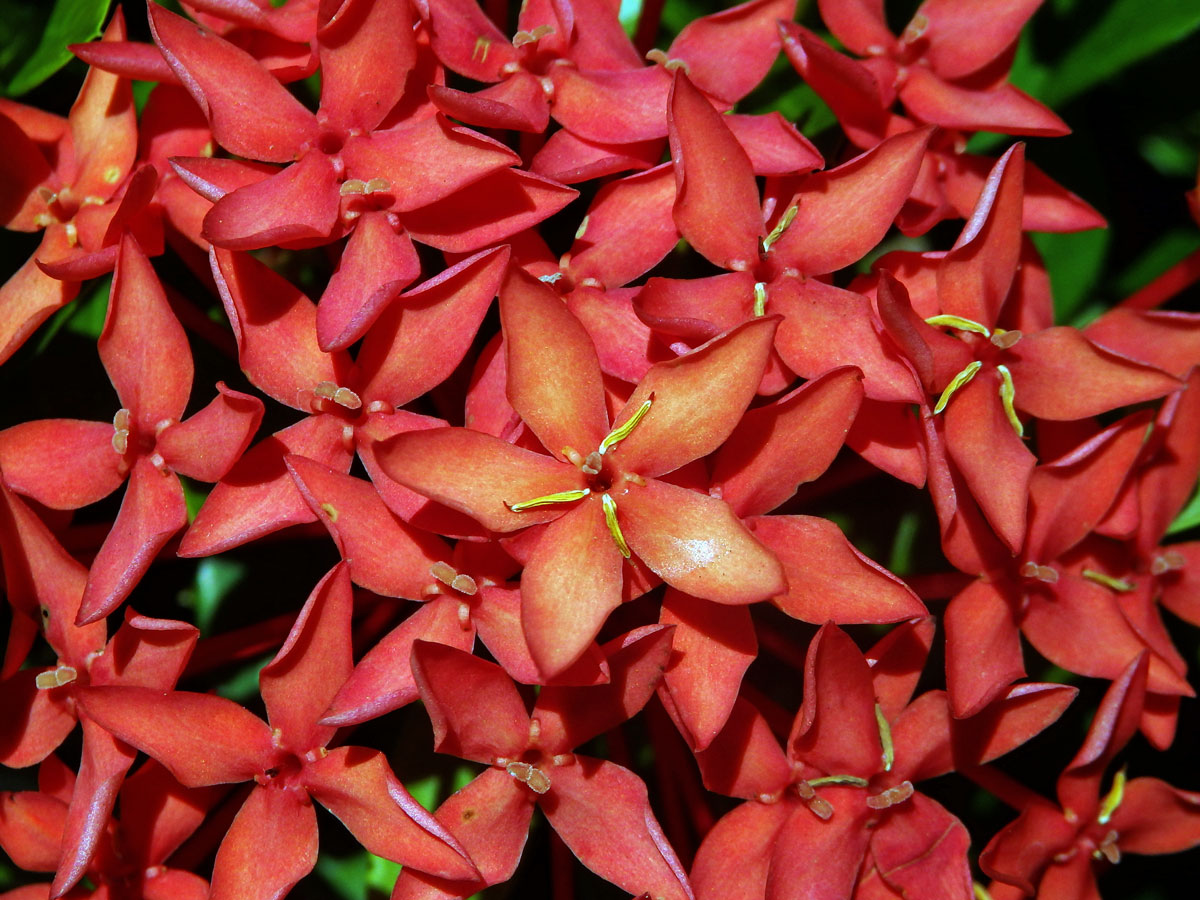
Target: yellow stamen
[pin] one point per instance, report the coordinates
(885, 738)
(548, 499)
(331, 511)
(891, 796)
(958, 323)
(619, 434)
(481, 44)
(1005, 339)
(955, 383)
(1008, 393)
(760, 298)
(614, 528)
(981, 893)
(789, 215)
(538, 781)
(1113, 798)
(837, 779)
(1117, 584)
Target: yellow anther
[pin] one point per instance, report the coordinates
(538, 781)
(464, 616)
(55, 677)
(535, 731)
(885, 738)
(548, 499)
(891, 796)
(1005, 339)
(821, 808)
(331, 511)
(112, 174)
(340, 395)
(72, 234)
(915, 28)
(48, 196)
(1119, 585)
(120, 441)
(121, 420)
(352, 186)
(760, 298)
(562, 759)
(582, 229)
(1008, 393)
(981, 893)
(955, 383)
(1167, 561)
(1047, 574)
(619, 434)
(378, 184)
(837, 779)
(672, 64)
(958, 323)
(614, 527)
(482, 45)
(592, 463)
(656, 56)
(92, 200)
(805, 790)
(1113, 798)
(781, 226)
(208, 149)
(464, 584)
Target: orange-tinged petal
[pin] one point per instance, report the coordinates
(478, 474)
(271, 845)
(697, 400)
(63, 463)
(983, 647)
(716, 205)
(208, 444)
(570, 585)
(366, 51)
(554, 380)
(1005, 109)
(697, 544)
(103, 128)
(29, 297)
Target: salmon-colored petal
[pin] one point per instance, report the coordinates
(1156, 818)
(897, 661)
(467, 41)
(62, 463)
(365, 51)
(251, 113)
(569, 586)
(385, 554)
(203, 739)
(828, 579)
(745, 759)
(152, 511)
(473, 705)
(840, 843)
(977, 671)
(1004, 109)
(275, 326)
(357, 785)
(569, 159)
(888, 436)
(271, 845)
(208, 444)
(728, 53)
(625, 346)
(697, 400)
(922, 847)
(257, 496)
(733, 861)
(1167, 339)
(859, 24)
(31, 829)
(775, 146)
(29, 297)
(478, 474)
(716, 204)
(103, 127)
(697, 544)
(713, 645)
(788, 443)
(143, 346)
(602, 812)
(517, 103)
(612, 107)
(47, 715)
(298, 203)
(844, 212)
(19, 200)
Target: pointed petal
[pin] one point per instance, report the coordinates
(624, 344)
(888, 436)
(844, 212)
(357, 786)
(728, 53)
(1060, 374)
(467, 41)
(251, 113)
(298, 203)
(490, 819)
(143, 346)
(571, 716)
(257, 496)
(569, 159)
(271, 845)
(208, 444)
(745, 759)
(569, 586)
(840, 843)
(777, 448)
(203, 739)
(974, 278)
(960, 42)
(366, 51)
(637, 204)
(421, 338)
(275, 326)
(775, 146)
(19, 200)
(146, 652)
(103, 127)
(375, 266)
(713, 646)
(385, 554)
(859, 24)
(1164, 338)
(383, 679)
(298, 684)
(518, 103)
(983, 647)
(717, 206)
(828, 579)
(695, 543)
(897, 661)
(825, 327)
(732, 862)
(47, 715)
(31, 829)
(516, 200)
(1004, 109)
(836, 729)
(559, 393)
(922, 848)
(1020, 852)
(473, 705)
(602, 813)
(1156, 818)
(612, 107)
(698, 399)
(29, 297)
(152, 511)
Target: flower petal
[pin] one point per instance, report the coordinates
(271, 845)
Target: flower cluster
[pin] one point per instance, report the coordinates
(603, 480)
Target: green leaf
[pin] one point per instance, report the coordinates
(1189, 516)
(1127, 31)
(1170, 248)
(70, 22)
(1075, 262)
(630, 14)
(215, 579)
(347, 875)
(243, 685)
